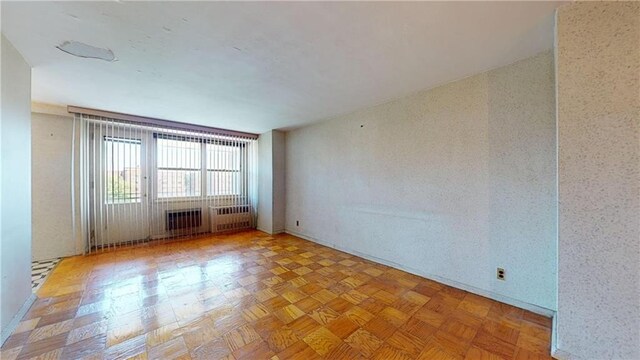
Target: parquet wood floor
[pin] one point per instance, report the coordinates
(253, 296)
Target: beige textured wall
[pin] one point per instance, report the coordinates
(265, 182)
(449, 183)
(278, 147)
(271, 182)
(52, 221)
(598, 79)
(15, 188)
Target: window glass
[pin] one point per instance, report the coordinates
(223, 169)
(223, 157)
(179, 165)
(178, 154)
(122, 158)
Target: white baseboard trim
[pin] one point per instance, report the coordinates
(6, 332)
(491, 295)
(563, 355)
(264, 231)
(274, 232)
(556, 353)
(554, 334)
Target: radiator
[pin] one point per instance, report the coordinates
(183, 219)
(228, 218)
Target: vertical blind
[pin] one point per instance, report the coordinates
(139, 181)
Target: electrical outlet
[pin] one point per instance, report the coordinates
(501, 275)
(297, 223)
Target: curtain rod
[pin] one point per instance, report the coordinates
(159, 122)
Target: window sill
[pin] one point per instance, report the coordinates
(199, 198)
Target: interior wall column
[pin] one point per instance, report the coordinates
(598, 99)
(271, 182)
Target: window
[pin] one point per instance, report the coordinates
(223, 169)
(179, 166)
(123, 178)
(198, 167)
(142, 179)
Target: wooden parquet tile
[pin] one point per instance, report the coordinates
(253, 296)
(364, 341)
(322, 340)
(407, 342)
(281, 339)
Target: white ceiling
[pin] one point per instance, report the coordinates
(258, 66)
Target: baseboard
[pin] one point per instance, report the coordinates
(554, 334)
(557, 353)
(563, 355)
(6, 332)
(491, 295)
(275, 232)
(263, 230)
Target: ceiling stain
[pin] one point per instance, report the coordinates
(83, 50)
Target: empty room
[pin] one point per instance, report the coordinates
(320, 180)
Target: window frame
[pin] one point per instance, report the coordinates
(157, 168)
(108, 197)
(239, 171)
(204, 195)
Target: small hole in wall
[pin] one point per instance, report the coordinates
(361, 126)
